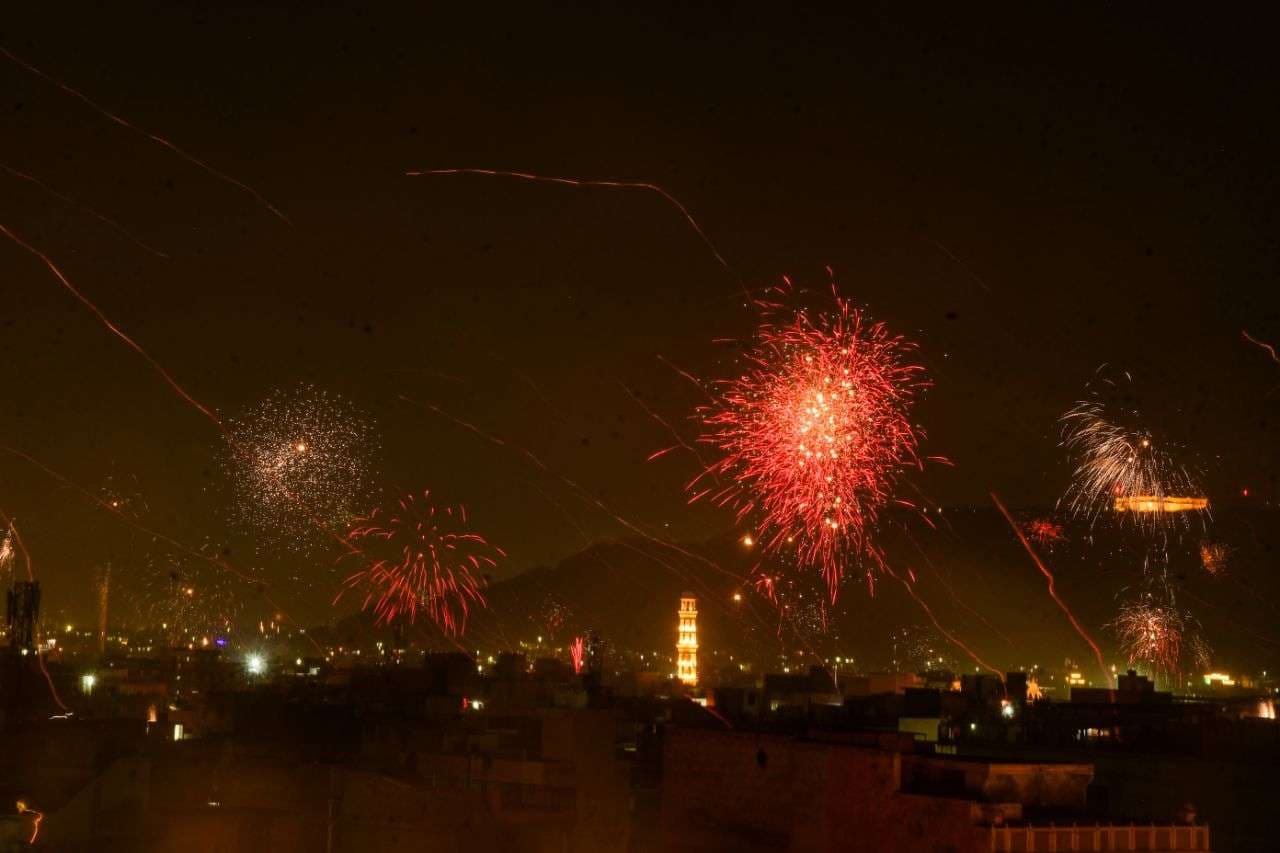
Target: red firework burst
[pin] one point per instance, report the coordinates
(1044, 531)
(578, 652)
(814, 433)
(420, 557)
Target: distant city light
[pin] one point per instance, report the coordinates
(87, 681)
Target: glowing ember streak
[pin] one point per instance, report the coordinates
(579, 182)
(578, 652)
(164, 374)
(1271, 350)
(65, 199)
(679, 440)
(159, 140)
(952, 637)
(1123, 468)
(814, 433)
(24, 809)
(1155, 632)
(418, 557)
(582, 493)
(299, 445)
(1048, 575)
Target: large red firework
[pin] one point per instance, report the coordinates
(814, 433)
(1155, 632)
(417, 557)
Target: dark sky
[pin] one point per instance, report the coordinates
(1029, 196)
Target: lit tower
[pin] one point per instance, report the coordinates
(687, 640)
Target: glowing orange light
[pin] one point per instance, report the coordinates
(1159, 503)
(39, 816)
(687, 642)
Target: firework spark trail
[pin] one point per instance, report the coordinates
(680, 442)
(578, 182)
(1097, 652)
(1234, 615)
(112, 327)
(693, 580)
(910, 588)
(938, 574)
(216, 562)
(577, 651)
(963, 266)
(1271, 350)
(578, 490)
(687, 375)
(165, 375)
(587, 541)
(582, 494)
(814, 434)
(26, 560)
(111, 223)
(159, 140)
(721, 717)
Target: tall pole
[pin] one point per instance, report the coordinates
(104, 594)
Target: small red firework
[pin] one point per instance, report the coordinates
(1044, 531)
(1213, 556)
(814, 433)
(578, 652)
(419, 557)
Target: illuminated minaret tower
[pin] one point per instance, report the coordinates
(687, 641)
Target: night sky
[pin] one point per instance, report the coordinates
(1029, 197)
